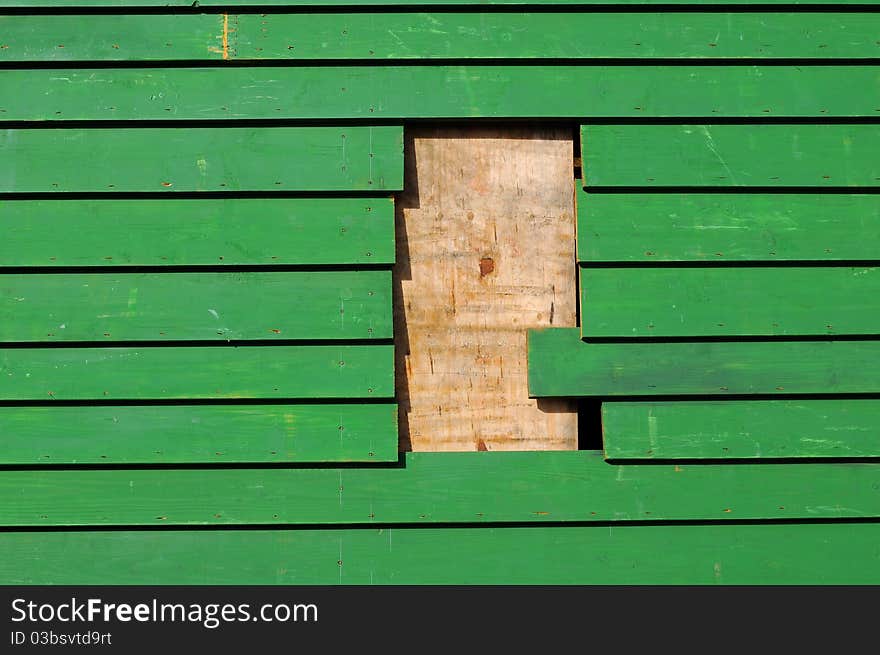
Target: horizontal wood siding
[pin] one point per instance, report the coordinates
(756, 554)
(184, 434)
(195, 306)
(731, 155)
(197, 232)
(560, 364)
(720, 227)
(202, 159)
(465, 487)
(195, 313)
(186, 372)
(368, 93)
(729, 301)
(520, 35)
(742, 429)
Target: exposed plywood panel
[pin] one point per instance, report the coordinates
(485, 250)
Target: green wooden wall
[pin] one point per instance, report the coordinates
(196, 339)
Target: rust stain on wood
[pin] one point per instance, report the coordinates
(486, 250)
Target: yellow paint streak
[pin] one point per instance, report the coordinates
(225, 36)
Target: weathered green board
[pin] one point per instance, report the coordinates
(449, 91)
(201, 159)
(475, 487)
(560, 364)
(647, 227)
(197, 372)
(809, 553)
(714, 301)
(195, 306)
(198, 434)
(471, 35)
(741, 429)
(196, 232)
(756, 155)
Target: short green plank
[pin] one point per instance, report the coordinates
(198, 434)
(741, 429)
(476, 487)
(757, 554)
(617, 227)
(197, 372)
(729, 301)
(89, 37)
(197, 232)
(762, 155)
(560, 364)
(195, 306)
(459, 91)
(202, 159)
(496, 35)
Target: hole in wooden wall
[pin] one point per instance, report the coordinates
(485, 251)
(590, 424)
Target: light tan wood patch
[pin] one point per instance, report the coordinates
(485, 250)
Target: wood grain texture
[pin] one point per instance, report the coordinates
(533, 487)
(418, 35)
(198, 434)
(197, 232)
(197, 372)
(202, 159)
(806, 553)
(711, 301)
(560, 364)
(485, 245)
(450, 91)
(617, 227)
(195, 306)
(741, 429)
(761, 155)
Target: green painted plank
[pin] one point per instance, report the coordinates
(197, 372)
(417, 35)
(726, 301)
(198, 434)
(574, 35)
(197, 232)
(617, 227)
(807, 553)
(741, 429)
(373, 92)
(202, 159)
(195, 306)
(560, 364)
(442, 488)
(120, 37)
(762, 155)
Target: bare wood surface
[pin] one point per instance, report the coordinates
(485, 250)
